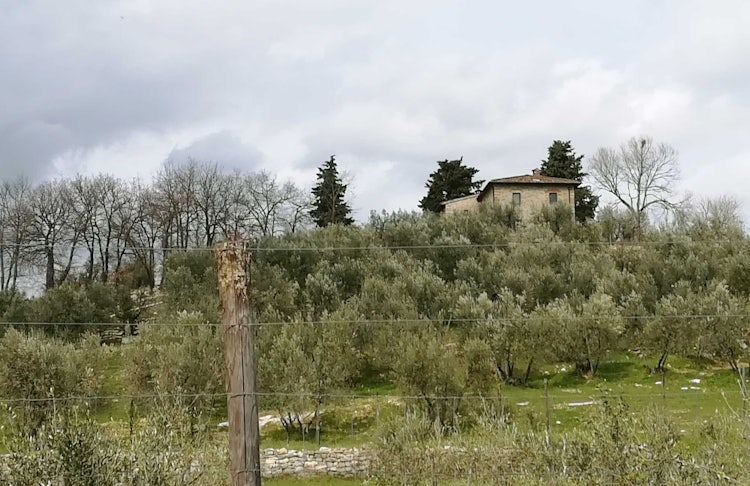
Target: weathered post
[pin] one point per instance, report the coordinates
(232, 260)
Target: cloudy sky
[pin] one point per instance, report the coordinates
(389, 86)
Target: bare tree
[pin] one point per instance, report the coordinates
(257, 205)
(640, 174)
(14, 227)
(236, 223)
(113, 218)
(266, 200)
(84, 205)
(212, 200)
(296, 215)
(102, 215)
(719, 215)
(175, 185)
(148, 225)
(721, 212)
(50, 229)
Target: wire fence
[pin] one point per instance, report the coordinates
(688, 394)
(471, 463)
(577, 399)
(426, 321)
(253, 246)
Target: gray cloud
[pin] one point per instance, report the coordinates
(224, 148)
(388, 86)
(28, 148)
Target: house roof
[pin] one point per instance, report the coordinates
(470, 196)
(533, 179)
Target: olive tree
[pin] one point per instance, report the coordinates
(582, 333)
(672, 330)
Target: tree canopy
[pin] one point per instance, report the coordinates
(452, 179)
(329, 206)
(562, 161)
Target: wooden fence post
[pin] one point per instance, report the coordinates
(232, 259)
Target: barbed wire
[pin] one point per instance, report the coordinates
(416, 247)
(195, 471)
(395, 322)
(570, 398)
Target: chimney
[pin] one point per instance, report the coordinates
(536, 174)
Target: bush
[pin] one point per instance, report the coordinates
(72, 450)
(186, 358)
(614, 446)
(439, 372)
(190, 284)
(49, 373)
(72, 303)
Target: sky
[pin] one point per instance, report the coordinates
(388, 86)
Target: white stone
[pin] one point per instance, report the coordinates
(581, 404)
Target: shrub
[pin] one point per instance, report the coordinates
(190, 284)
(49, 373)
(185, 358)
(72, 450)
(72, 303)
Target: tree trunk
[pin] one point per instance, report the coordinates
(2, 259)
(50, 271)
(16, 258)
(528, 371)
(68, 265)
(662, 361)
(317, 422)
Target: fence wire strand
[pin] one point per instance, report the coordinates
(394, 322)
(436, 246)
(577, 400)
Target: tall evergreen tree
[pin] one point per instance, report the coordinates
(562, 161)
(452, 179)
(329, 206)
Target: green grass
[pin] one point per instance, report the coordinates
(114, 384)
(625, 376)
(353, 423)
(621, 375)
(344, 424)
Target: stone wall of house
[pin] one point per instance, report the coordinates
(468, 204)
(344, 463)
(533, 197)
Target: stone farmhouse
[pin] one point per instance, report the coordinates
(528, 193)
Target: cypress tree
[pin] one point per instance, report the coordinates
(449, 181)
(562, 161)
(329, 206)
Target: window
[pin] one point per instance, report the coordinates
(517, 198)
(553, 198)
